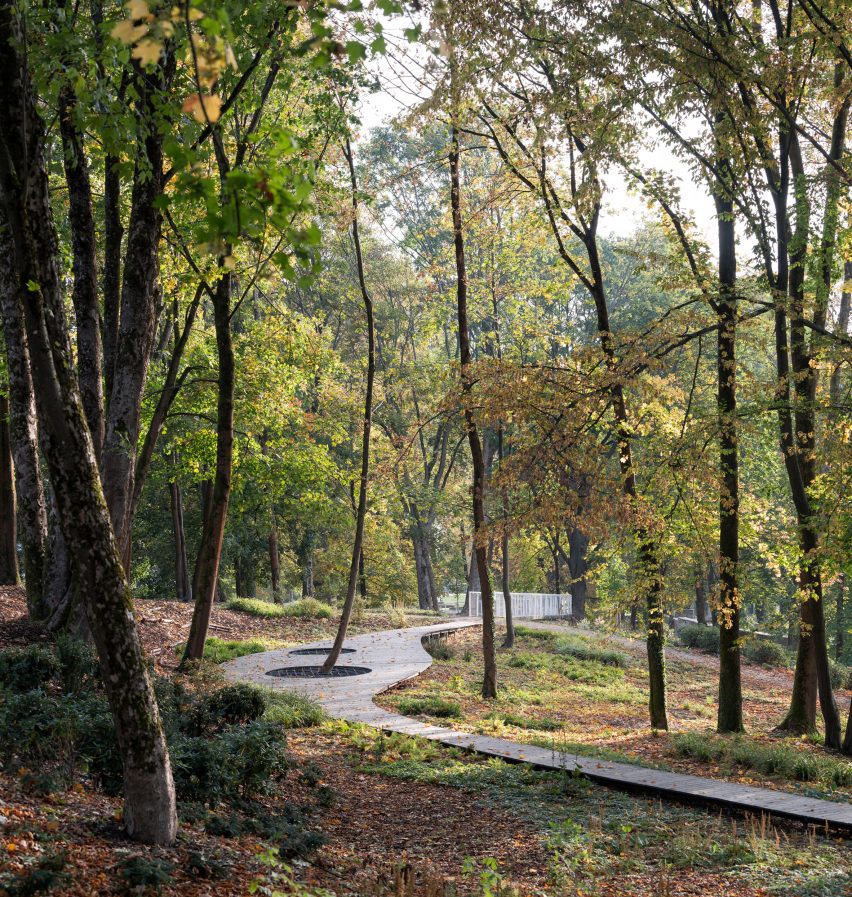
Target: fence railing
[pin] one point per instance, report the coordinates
(525, 605)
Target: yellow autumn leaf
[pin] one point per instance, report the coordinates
(127, 32)
(147, 51)
(138, 9)
(195, 15)
(203, 107)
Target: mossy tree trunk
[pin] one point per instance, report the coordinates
(149, 811)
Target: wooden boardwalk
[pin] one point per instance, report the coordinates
(397, 655)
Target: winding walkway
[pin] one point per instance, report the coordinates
(397, 655)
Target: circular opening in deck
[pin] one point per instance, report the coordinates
(322, 651)
(317, 672)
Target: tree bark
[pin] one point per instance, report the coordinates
(730, 709)
(138, 310)
(149, 813)
(361, 512)
(509, 641)
(489, 680)
(85, 290)
(8, 514)
(206, 574)
(578, 547)
(183, 587)
(24, 436)
(274, 559)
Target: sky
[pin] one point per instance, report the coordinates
(623, 211)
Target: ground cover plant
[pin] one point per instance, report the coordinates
(580, 693)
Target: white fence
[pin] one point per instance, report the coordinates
(525, 605)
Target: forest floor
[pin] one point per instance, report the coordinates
(583, 693)
(403, 817)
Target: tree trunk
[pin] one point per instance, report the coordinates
(24, 437)
(700, 600)
(489, 681)
(509, 641)
(578, 547)
(799, 447)
(183, 586)
(730, 711)
(847, 738)
(206, 574)
(308, 576)
(85, 290)
(138, 313)
(149, 812)
(8, 515)
(422, 566)
(361, 513)
(274, 559)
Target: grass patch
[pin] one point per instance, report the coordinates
(308, 608)
(429, 705)
(542, 635)
(780, 760)
(291, 710)
(531, 723)
(218, 650)
(586, 649)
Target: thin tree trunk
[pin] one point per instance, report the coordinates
(85, 290)
(700, 600)
(138, 319)
(730, 710)
(183, 586)
(150, 811)
(206, 573)
(274, 559)
(509, 641)
(361, 512)
(489, 681)
(578, 546)
(23, 431)
(8, 514)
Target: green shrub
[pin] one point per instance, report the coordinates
(78, 664)
(25, 669)
(145, 875)
(768, 653)
(207, 866)
(782, 760)
(532, 723)
(429, 705)
(47, 873)
(840, 674)
(292, 710)
(294, 842)
(218, 650)
(231, 705)
(542, 635)
(584, 649)
(704, 638)
(255, 758)
(304, 607)
(309, 608)
(439, 649)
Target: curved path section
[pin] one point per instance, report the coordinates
(397, 655)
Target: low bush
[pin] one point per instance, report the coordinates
(840, 674)
(304, 607)
(231, 705)
(429, 705)
(541, 635)
(766, 652)
(704, 638)
(585, 649)
(218, 650)
(45, 875)
(439, 649)
(295, 842)
(782, 760)
(532, 723)
(78, 664)
(25, 669)
(291, 710)
(145, 875)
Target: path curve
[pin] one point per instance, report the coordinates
(397, 655)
